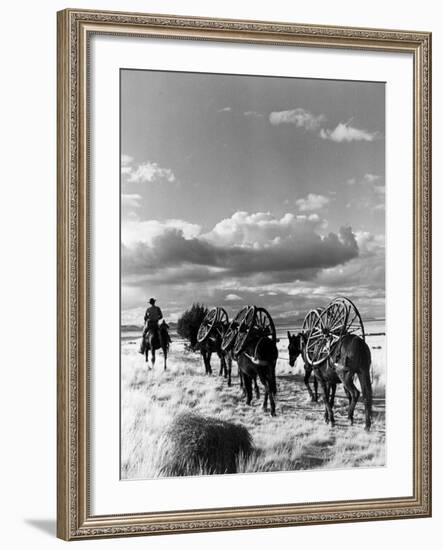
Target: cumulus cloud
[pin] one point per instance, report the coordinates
(245, 245)
(126, 162)
(136, 231)
(299, 117)
(146, 172)
(259, 230)
(149, 172)
(224, 110)
(131, 200)
(345, 132)
(371, 178)
(126, 159)
(312, 202)
(365, 273)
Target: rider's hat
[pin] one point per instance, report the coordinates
(152, 300)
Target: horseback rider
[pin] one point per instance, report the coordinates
(152, 316)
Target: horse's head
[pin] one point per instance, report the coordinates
(295, 346)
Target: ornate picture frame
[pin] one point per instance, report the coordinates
(75, 519)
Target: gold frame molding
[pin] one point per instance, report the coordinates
(74, 520)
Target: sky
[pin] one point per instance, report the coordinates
(240, 189)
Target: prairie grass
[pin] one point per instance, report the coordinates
(296, 439)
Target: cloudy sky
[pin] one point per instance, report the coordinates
(246, 189)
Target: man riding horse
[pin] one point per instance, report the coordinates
(154, 336)
(153, 315)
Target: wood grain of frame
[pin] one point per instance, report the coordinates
(74, 520)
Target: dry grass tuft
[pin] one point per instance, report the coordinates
(195, 444)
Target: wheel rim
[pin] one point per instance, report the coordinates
(231, 332)
(310, 320)
(354, 323)
(264, 324)
(324, 333)
(206, 325)
(244, 330)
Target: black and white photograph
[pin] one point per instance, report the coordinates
(252, 265)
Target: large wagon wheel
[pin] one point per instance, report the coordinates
(215, 319)
(207, 325)
(264, 324)
(244, 329)
(353, 323)
(340, 317)
(231, 332)
(326, 332)
(310, 320)
(222, 321)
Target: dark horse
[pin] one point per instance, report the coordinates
(259, 359)
(351, 357)
(156, 338)
(211, 345)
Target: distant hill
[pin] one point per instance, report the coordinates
(134, 328)
(131, 328)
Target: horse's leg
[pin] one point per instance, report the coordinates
(268, 391)
(222, 365)
(228, 360)
(315, 389)
(248, 386)
(265, 400)
(152, 357)
(332, 390)
(208, 365)
(348, 383)
(366, 388)
(207, 361)
(165, 356)
(256, 388)
(242, 383)
(308, 372)
(329, 413)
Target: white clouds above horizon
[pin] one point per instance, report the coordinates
(145, 172)
(287, 274)
(233, 297)
(343, 132)
(131, 200)
(299, 117)
(255, 247)
(312, 202)
(134, 231)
